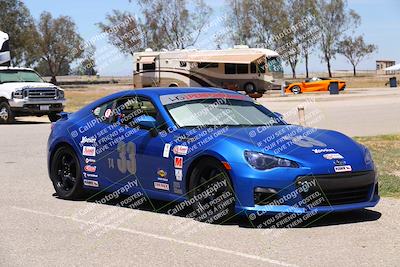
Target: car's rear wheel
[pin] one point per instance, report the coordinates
(53, 117)
(6, 115)
(296, 90)
(65, 174)
(211, 191)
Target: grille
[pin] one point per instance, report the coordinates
(41, 93)
(339, 189)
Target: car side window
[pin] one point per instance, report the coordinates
(128, 109)
(104, 111)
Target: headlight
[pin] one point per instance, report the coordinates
(18, 94)
(60, 93)
(368, 157)
(262, 161)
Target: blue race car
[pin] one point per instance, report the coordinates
(212, 150)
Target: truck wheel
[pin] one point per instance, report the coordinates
(53, 117)
(211, 189)
(6, 115)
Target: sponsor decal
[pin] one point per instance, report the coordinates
(178, 162)
(162, 179)
(344, 168)
(323, 150)
(90, 168)
(175, 98)
(333, 156)
(108, 113)
(161, 173)
(167, 148)
(88, 160)
(90, 175)
(180, 150)
(161, 186)
(177, 188)
(339, 162)
(178, 174)
(89, 151)
(91, 183)
(88, 140)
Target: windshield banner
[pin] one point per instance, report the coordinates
(176, 98)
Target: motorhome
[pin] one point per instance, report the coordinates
(252, 70)
(4, 49)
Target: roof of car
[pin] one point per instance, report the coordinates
(158, 91)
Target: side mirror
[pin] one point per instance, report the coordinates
(146, 122)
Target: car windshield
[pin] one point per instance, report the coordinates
(221, 112)
(9, 76)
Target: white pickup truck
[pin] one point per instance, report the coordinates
(24, 93)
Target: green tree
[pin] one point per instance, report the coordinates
(334, 20)
(168, 25)
(58, 42)
(355, 50)
(124, 31)
(16, 20)
(43, 68)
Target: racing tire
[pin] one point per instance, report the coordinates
(250, 88)
(212, 193)
(65, 174)
(296, 90)
(53, 117)
(6, 115)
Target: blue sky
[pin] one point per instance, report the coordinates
(380, 25)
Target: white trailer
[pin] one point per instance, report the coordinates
(252, 70)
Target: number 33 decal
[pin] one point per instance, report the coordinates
(127, 164)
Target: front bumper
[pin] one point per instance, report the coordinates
(33, 107)
(297, 190)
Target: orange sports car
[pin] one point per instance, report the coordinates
(313, 85)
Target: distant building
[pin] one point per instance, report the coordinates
(383, 64)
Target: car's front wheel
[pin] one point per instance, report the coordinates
(6, 115)
(296, 89)
(211, 192)
(65, 174)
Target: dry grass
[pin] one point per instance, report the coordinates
(385, 150)
(79, 97)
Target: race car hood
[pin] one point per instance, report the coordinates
(306, 146)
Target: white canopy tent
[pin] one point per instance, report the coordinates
(393, 68)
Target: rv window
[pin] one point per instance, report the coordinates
(253, 68)
(137, 66)
(242, 68)
(207, 65)
(261, 67)
(151, 66)
(182, 64)
(230, 68)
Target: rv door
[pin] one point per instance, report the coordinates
(4, 49)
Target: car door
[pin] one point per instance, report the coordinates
(140, 155)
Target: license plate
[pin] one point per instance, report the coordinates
(45, 107)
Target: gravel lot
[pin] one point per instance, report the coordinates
(37, 228)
